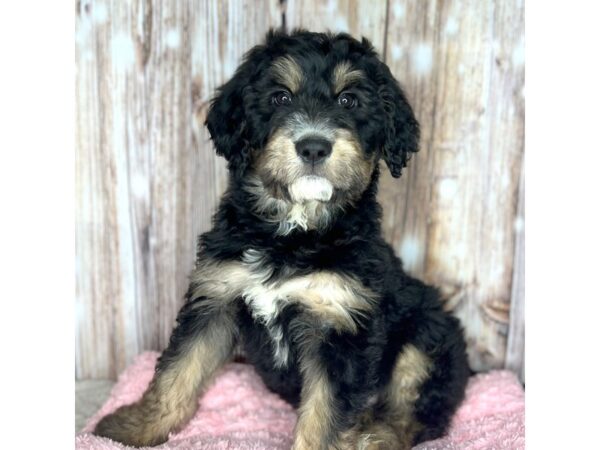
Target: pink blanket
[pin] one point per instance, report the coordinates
(238, 412)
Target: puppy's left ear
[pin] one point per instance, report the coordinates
(401, 126)
(226, 119)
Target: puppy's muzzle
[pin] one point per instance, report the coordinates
(313, 150)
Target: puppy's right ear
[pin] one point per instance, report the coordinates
(401, 127)
(226, 120)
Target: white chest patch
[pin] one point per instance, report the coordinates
(264, 303)
(334, 299)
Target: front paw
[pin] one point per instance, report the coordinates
(130, 425)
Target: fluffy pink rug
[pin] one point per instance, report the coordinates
(238, 412)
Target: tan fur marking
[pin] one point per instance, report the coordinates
(344, 75)
(279, 159)
(315, 416)
(288, 73)
(220, 281)
(369, 436)
(347, 165)
(411, 370)
(172, 398)
(335, 298)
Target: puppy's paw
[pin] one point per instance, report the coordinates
(369, 443)
(130, 426)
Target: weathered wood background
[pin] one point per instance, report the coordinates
(148, 180)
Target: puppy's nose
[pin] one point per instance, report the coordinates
(313, 150)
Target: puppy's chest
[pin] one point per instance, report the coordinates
(329, 299)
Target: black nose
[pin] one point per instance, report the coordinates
(313, 150)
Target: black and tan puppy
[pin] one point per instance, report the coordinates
(295, 271)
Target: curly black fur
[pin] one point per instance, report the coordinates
(358, 365)
(409, 311)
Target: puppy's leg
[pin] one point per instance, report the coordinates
(315, 429)
(321, 423)
(396, 418)
(391, 424)
(370, 435)
(200, 344)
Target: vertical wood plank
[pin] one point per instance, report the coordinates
(515, 346)
(451, 216)
(359, 18)
(508, 135)
(147, 178)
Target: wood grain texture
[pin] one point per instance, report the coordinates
(359, 18)
(146, 176)
(451, 218)
(515, 346)
(148, 180)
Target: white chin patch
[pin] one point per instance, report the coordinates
(311, 187)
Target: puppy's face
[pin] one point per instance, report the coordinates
(307, 117)
(319, 139)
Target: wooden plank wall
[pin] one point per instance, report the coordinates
(148, 180)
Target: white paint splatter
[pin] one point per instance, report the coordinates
(99, 13)
(505, 181)
(422, 59)
(496, 47)
(451, 27)
(122, 51)
(447, 188)
(497, 273)
(411, 252)
(519, 224)
(397, 52)
(332, 7)
(460, 249)
(518, 54)
(88, 55)
(80, 308)
(173, 38)
(341, 24)
(229, 67)
(398, 10)
(83, 33)
(139, 185)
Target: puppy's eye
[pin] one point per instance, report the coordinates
(282, 98)
(347, 100)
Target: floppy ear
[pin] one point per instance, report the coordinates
(226, 118)
(401, 126)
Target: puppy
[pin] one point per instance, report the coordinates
(295, 270)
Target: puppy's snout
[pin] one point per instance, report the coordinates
(313, 150)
